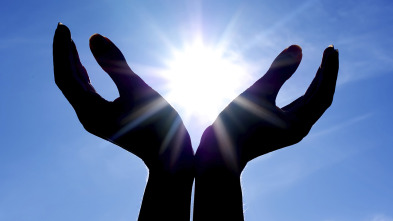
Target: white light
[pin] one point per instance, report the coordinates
(202, 81)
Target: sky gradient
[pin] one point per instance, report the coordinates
(52, 169)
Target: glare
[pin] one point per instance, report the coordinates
(202, 80)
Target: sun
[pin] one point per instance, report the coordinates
(202, 80)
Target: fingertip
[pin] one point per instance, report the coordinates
(329, 53)
(295, 48)
(295, 51)
(63, 31)
(94, 37)
(330, 50)
(99, 44)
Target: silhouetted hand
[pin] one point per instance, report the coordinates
(140, 120)
(253, 125)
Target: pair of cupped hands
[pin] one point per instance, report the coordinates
(142, 122)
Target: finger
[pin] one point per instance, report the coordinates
(83, 77)
(65, 76)
(319, 95)
(70, 75)
(110, 58)
(281, 70)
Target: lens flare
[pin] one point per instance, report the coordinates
(203, 80)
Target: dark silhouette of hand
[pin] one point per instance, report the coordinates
(140, 120)
(252, 124)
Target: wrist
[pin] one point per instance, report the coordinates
(172, 176)
(167, 194)
(218, 193)
(216, 156)
(175, 159)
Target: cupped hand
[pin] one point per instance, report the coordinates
(252, 124)
(139, 120)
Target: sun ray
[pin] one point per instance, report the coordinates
(203, 80)
(139, 116)
(170, 134)
(229, 30)
(261, 112)
(226, 146)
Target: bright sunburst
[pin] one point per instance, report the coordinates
(203, 80)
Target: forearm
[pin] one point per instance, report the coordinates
(169, 187)
(167, 196)
(218, 196)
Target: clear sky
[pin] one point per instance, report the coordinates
(52, 169)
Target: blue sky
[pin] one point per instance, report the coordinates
(52, 169)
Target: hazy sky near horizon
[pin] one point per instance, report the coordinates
(52, 169)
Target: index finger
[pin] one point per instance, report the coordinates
(280, 71)
(111, 59)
